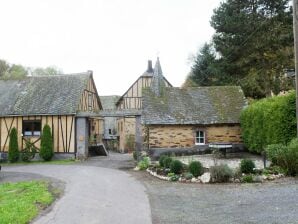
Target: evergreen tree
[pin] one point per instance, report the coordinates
(13, 149)
(46, 144)
(255, 41)
(253, 45)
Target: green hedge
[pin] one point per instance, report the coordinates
(269, 121)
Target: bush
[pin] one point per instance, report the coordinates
(269, 121)
(290, 162)
(196, 168)
(161, 160)
(46, 144)
(275, 153)
(167, 162)
(173, 177)
(188, 176)
(176, 166)
(247, 166)
(144, 163)
(285, 156)
(247, 179)
(13, 148)
(29, 152)
(220, 173)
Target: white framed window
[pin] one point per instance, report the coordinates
(200, 137)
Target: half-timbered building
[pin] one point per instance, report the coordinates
(69, 104)
(130, 103)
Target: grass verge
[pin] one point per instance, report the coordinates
(55, 162)
(21, 202)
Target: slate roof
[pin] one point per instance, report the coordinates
(37, 95)
(157, 84)
(109, 102)
(199, 105)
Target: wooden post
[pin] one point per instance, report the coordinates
(139, 139)
(295, 29)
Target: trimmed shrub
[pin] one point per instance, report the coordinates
(176, 166)
(196, 168)
(167, 162)
(46, 144)
(247, 166)
(161, 160)
(144, 163)
(29, 152)
(220, 173)
(13, 148)
(269, 121)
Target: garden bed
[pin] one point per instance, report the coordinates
(211, 170)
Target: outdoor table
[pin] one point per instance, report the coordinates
(221, 146)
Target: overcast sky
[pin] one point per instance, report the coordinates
(114, 38)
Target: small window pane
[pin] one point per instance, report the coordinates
(200, 137)
(31, 128)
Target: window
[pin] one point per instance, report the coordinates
(110, 131)
(31, 128)
(90, 99)
(200, 138)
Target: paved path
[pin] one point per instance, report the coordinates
(93, 195)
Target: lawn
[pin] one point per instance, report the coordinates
(21, 202)
(55, 162)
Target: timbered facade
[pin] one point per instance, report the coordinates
(59, 101)
(132, 101)
(132, 98)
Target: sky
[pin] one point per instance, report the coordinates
(113, 38)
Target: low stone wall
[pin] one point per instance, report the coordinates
(155, 153)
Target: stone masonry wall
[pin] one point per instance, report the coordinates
(183, 136)
(128, 128)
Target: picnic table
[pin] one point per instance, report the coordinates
(221, 146)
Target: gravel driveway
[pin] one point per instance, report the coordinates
(275, 202)
(123, 200)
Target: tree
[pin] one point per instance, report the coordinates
(205, 70)
(17, 72)
(46, 145)
(50, 70)
(251, 47)
(13, 148)
(254, 39)
(3, 68)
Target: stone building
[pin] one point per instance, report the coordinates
(191, 118)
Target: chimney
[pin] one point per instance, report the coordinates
(149, 68)
(90, 72)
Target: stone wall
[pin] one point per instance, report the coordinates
(126, 127)
(183, 136)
